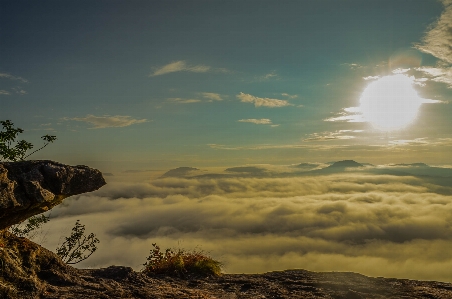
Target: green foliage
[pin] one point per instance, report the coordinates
(30, 229)
(181, 263)
(77, 247)
(15, 152)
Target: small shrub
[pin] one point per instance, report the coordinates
(77, 247)
(181, 263)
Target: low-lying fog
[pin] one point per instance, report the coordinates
(392, 221)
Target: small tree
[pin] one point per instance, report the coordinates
(17, 152)
(77, 247)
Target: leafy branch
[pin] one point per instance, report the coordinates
(30, 228)
(16, 152)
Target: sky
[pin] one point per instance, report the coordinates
(159, 84)
(136, 88)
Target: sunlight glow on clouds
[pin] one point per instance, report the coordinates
(262, 102)
(337, 135)
(438, 74)
(106, 121)
(388, 103)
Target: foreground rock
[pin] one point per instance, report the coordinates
(29, 188)
(29, 271)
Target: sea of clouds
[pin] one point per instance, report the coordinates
(258, 219)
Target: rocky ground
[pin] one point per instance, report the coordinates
(122, 282)
(31, 271)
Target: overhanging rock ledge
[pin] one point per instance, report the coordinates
(29, 188)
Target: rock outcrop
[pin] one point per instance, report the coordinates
(29, 188)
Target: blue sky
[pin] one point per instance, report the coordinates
(160, 84)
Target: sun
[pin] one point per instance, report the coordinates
(390, 103)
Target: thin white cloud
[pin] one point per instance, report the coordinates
(400, 71)
(183, 101)
(180, 66)
(101, 122)
(212, 96)
(327, 136)
(262, 102)
(371, 78)
(269, 76)
(290, 96)
(438, 74)
(20, 91)
(350, 114)
(262, 121)
(353, 66)
(4, 92)
(9, 76)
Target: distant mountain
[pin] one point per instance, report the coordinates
(180, 172)
(246, 169)
(345, 164)
(306, 166)
(338, 166)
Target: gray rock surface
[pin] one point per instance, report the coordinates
(29, 188)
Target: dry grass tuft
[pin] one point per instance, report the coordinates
(181, 263)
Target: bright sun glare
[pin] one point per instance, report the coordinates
(390, 103)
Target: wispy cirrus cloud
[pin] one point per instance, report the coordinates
(11, 77)
(262, 121)
(262, 102)
(19, 91)
(5, 92)
(211, 96)
(352, 66)
(183, 101)
(179, 66)
(203, 97)
(436, 42)
(290, 96)
(106, 121)
(350, 114)
(336, 135)
(438, 74)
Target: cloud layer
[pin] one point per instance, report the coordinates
(381, 225)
